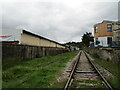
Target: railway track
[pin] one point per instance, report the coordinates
(84, 74)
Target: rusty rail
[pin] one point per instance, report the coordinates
(70, 79)
(101, 76)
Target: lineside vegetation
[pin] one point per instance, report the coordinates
(112, 67)
(35, 73)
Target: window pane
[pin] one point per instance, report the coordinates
(109, 27)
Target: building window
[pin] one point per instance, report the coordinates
(96, 29)
(97, 41)
(109, 41)
(109, 27)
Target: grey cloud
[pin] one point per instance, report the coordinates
(57, 21)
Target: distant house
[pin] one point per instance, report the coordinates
(103, 33)
(72, 48)
(27, 38)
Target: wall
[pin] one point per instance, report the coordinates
(115, 26)
(60, 46)
(116, 32)
(102, 30)
(28, 39)
(112, 55)
(116, 35)
(103, 41)
(21, 52)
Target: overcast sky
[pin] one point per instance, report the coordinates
(61, 21)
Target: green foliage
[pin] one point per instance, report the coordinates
(96, 56)
(86, 38)
(76, 44)
(112, 67)
(35, 73)
(114, 82)
(91, 81)
(76, 84)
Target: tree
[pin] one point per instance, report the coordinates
(76, 44)
(86, 38)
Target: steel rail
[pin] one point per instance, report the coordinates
(70, 79)
(102, 77)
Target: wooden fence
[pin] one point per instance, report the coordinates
(21, 52)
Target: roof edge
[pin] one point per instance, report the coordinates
(107, 21)
(25, 31)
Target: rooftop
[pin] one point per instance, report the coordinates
(24, 31)
(107, 21)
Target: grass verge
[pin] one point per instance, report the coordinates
(112, 67)
(35, 73)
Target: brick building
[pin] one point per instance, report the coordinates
(103, 33)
